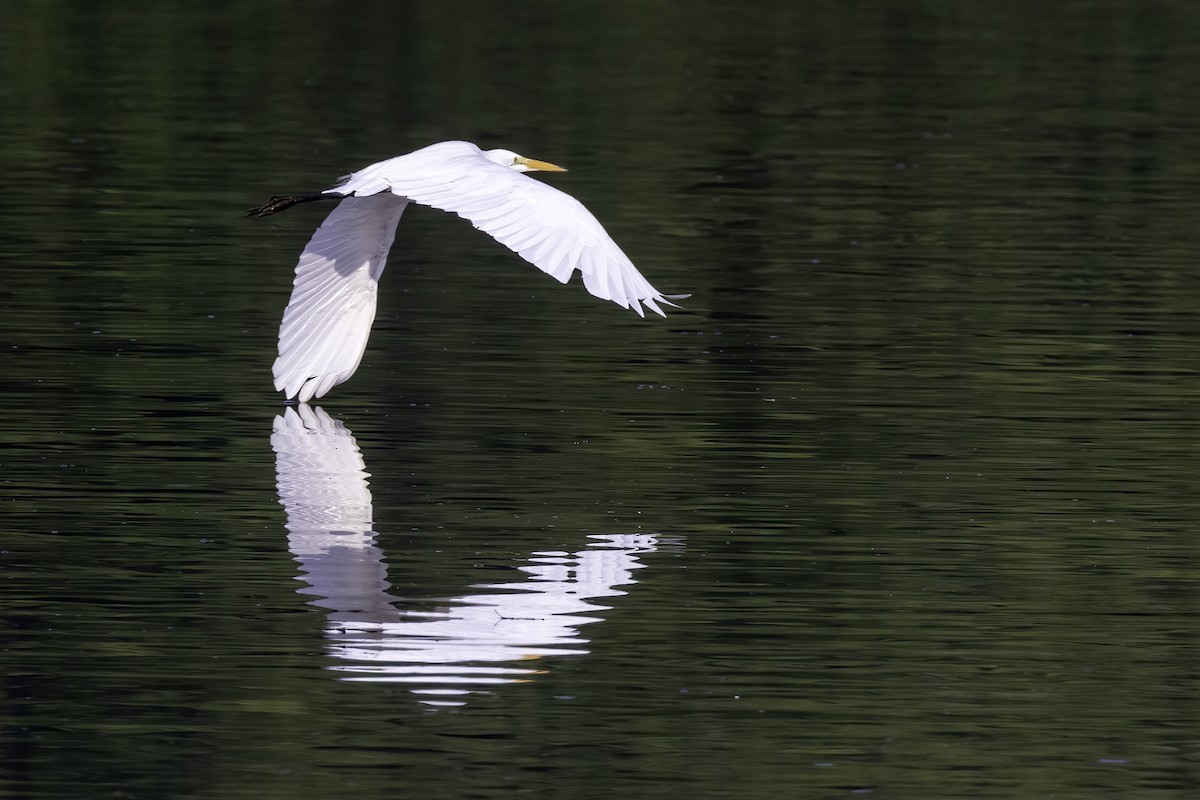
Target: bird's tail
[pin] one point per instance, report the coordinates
(283, 202)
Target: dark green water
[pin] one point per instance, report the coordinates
(902, 504)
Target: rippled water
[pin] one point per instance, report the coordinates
(901, 504)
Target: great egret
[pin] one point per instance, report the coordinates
(328, 318)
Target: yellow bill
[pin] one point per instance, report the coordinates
(539, 166)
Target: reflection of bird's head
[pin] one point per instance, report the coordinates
(507, 158)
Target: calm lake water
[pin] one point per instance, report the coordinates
(902, 503)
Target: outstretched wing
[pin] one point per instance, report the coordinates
(546, 227)
(328, 318)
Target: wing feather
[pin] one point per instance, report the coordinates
(520, 237)
(328, 319)
(559, 261)
(559, 235)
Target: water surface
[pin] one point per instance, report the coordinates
(901, 504)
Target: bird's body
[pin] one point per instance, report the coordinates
(327, 321)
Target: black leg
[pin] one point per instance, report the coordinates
(285, 201)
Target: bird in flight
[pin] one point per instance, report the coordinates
(328, 318)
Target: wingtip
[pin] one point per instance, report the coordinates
(652, 302)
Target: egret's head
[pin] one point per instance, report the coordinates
(507, 158)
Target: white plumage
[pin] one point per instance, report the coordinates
(328, 318)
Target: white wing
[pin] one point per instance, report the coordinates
(548, 228)
(328, 318)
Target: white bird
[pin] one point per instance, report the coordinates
(328, 318)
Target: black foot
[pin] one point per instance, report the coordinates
(282, 203)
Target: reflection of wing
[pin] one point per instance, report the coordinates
(323, 488)
(523, 620)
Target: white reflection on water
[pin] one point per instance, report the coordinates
(323, 487)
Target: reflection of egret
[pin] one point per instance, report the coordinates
(327, 321)
(323, 487)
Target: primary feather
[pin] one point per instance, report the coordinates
(328, 318)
